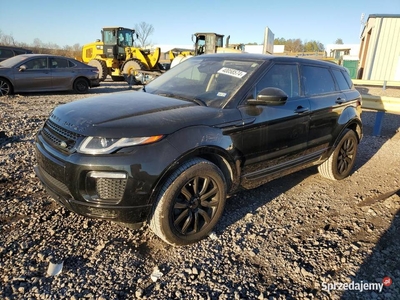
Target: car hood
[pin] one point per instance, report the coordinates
(133, 114)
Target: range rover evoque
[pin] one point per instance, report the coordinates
(171, 153)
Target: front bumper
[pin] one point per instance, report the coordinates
(59, 192)
(116, 187)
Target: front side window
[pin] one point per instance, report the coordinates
(125, 38)
(37, 63)
(317, 80)
(281, 76)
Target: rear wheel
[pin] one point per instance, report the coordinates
(190, 203)
(5, 87)
(81, 86)
(341, 161)
(101, 66)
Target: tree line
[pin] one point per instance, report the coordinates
(296, 45)
(143, 31)
(39, 47)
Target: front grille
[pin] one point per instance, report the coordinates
(109, 190)
(59, 137)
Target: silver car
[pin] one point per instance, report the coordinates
(43, 73)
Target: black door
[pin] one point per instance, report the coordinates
(277, 139)
(327, 103)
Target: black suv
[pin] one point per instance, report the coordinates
(171, 153)
(8, 51)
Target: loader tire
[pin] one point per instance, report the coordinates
(101, 66)
(130, 68)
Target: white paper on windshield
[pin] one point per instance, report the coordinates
(232, 72)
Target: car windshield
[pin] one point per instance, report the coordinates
(210, 80)
(10, 62)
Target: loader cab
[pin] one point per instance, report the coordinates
(115, 40)
(207, 43)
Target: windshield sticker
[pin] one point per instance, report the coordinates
(232, 72)
(221, 94)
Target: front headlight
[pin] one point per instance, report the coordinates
(101, 145)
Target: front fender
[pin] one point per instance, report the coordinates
(208, 143)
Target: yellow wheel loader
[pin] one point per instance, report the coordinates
(205, 43)
(117, 56)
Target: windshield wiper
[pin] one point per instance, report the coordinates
(195, 100)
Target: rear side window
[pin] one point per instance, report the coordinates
(347, 77)
(18, 52)
(317, 80)
(59, 63)
(341, 80)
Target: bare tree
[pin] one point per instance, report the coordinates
(143, 31)
(37, 45)
(6, 39)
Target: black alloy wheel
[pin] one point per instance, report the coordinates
(81, 86)
(190, 203)
(340, 163)
(5, 87)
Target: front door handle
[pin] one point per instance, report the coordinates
(340, 100)
(301, 110)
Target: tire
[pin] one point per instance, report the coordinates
(130, 68)
(101, 66)
(5, 87)
(81, 86)
(190, 203)
(340, 163)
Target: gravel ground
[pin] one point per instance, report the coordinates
(292, 238)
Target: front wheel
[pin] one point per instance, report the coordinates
(130, 70)
(341, 161)
(81, 86)
(190, 203)
(5, 87)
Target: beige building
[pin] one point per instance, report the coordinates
(380, 48)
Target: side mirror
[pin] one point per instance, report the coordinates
(22, 68)
(269, 96)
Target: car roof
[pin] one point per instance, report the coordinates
(268, 57)
(41, 55)
(15, 48)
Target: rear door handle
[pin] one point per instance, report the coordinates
(301, 110)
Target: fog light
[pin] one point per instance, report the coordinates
(105, 187)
